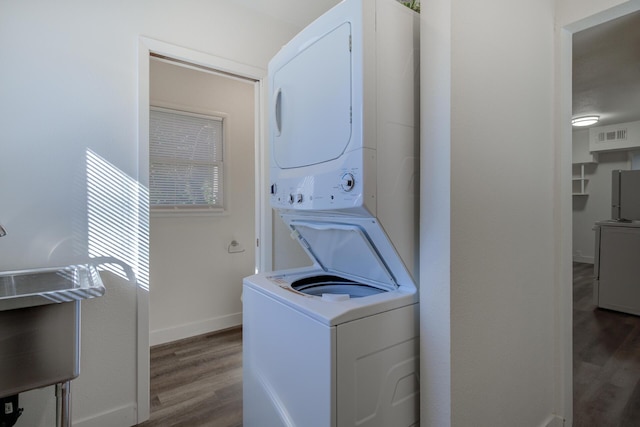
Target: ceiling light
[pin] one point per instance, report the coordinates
(585, 120)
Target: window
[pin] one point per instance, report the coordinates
(185, 161)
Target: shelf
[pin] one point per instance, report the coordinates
(579, 180)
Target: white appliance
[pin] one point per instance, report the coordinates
(617, 252)
(625, 195)
(617, 266)
(336, 344)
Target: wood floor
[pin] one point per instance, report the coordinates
(198, 381)
(606, 360)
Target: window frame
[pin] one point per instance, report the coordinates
(195, 210)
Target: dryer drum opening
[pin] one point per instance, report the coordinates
(319, 285)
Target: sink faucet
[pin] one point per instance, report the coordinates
(3, 232)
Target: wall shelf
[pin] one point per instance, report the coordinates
(579, 180)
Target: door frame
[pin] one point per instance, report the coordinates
(263, 238)
(564, 274)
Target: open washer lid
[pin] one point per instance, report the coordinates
(355, 248)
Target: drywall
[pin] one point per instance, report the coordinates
(577, 15)
(493, 295)
(297, 13)
(502, 281)
(435, 214)
(197, 282)
(496, 273)
(70, 184)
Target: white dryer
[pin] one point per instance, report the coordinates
(336, 344)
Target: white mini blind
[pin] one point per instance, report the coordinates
(186, 160)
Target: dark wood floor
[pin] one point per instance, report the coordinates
(198, 381)
(606, 360)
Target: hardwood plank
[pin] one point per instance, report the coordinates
(606, 360)
(197, 381)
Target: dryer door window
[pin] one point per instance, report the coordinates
(311, 102)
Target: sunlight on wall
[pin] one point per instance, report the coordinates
(118, 220)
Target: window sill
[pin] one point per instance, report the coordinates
(187, 212)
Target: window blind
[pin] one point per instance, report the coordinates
(185, 160)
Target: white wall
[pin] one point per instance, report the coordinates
(487, 261)
(196, 281)
(577, 15)
(502, 283)
(69, 84)
(435, 214)
(495, 245)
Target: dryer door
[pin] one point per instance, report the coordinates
(311, 101)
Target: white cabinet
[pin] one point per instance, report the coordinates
(621, 136)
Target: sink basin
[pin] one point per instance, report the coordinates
(40, 325)
(30, 288)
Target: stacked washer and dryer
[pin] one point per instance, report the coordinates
(336, 344)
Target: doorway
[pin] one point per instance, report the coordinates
(199, 250)
(262, 236)
(598, 336)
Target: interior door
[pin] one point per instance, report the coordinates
(311, 122)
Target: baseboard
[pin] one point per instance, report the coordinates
(126, 415)
(582, 258)
(553, 421)
(186, 330)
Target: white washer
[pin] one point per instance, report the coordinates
(336, 344)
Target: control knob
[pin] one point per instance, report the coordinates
(347, 182)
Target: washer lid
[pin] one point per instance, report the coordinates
(356, 248)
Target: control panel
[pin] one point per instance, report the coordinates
(332, 190)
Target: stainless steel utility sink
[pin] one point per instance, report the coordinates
(40, 325)
(30, 288)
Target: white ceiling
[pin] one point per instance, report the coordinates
(606, 71)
